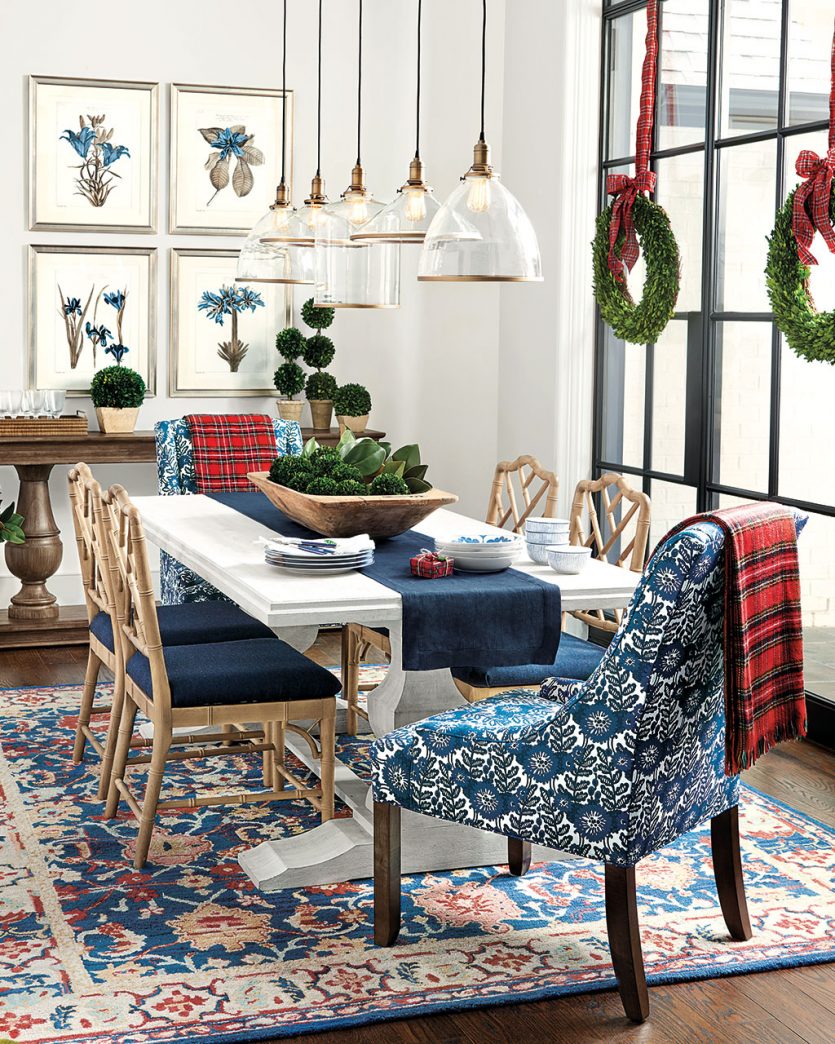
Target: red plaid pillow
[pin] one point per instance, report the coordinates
(227, 446)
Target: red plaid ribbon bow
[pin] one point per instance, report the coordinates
(810, 211)
(621, 186)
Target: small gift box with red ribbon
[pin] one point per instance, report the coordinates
(430, 565)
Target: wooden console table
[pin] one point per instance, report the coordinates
(34, 616)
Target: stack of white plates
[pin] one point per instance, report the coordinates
(323, 557)
(482, 552)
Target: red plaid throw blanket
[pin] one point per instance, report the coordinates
(765, 700)
(227, 446)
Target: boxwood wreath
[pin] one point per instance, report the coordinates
(809, 333)
(643, 322)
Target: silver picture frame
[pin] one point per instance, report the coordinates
(33, 334)
(37, 221)
(177, 388)
(233, 101)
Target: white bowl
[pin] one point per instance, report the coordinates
(505, 556)
(568, 558)
(483, 564)
(538, 552)
(557, 536)
(546, 523)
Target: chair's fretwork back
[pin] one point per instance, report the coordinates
(138, 611)
(524, 470)
(84, 490)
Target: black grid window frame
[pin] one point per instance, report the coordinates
(702, 407)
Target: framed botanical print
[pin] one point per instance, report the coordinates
(225, 156)
(222, 332)
(90, 307)
(92, 155)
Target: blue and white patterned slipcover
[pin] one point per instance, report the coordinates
(175, 476)
(611, 768)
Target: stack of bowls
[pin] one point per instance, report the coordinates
(540, 533)
(481, 552)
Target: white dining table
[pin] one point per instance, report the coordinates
(227, 549)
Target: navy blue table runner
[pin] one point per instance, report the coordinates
(462, 620)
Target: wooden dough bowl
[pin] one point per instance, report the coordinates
(349, 516)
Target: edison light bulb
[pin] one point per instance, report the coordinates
(357, 209)
(478, 198)
(281, 218)
(415, 205)
(313, 216)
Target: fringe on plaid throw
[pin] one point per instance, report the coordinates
(227, 446)
(765, 700)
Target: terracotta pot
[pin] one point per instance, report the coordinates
(321, 413)
(116, 421)
(356, 424)
(290, 409)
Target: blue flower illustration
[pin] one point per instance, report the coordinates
(115, 299)
(229, 143)
(117, 351)
(112, 152)
(100, 334)
(249, 298)
(72, 306)
(217, 305)
(81, 142)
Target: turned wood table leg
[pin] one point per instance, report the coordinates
(34, 562)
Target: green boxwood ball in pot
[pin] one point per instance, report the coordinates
(290, 343)
(352, 404)
(117, 393)
(320, 387)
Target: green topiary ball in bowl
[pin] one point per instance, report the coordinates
(388, 485)
(118, 388)
(352, 400)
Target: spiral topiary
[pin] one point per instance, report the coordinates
(809, 333)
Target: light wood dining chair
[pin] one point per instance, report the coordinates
(619, 535)
(505, 509)
(214, 684)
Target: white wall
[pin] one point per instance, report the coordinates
(550, 147)
(431, 366)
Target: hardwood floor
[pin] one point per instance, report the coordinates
(797, 1004)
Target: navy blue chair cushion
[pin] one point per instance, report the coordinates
(575, 659)
(258, 670)
(193, 623)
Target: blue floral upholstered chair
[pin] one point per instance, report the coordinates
(611, 769)
(175, 476)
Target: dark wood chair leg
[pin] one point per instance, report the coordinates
(625, 940)
(727, 869)
(386, 873)
(518, 856)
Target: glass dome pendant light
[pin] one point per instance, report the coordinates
(265, 257)
(301, 224)
(353, 274)
(410, 213)
(481, 233)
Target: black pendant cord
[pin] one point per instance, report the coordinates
(483, 61)
(359, 87)
(319, 103)
(284, 93)
(417, 114)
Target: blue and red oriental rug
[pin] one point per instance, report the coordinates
(189, 950)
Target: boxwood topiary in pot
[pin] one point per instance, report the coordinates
(320, 390)
(117, 393)
(352, 404)
(289, 380)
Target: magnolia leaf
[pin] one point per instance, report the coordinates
(346, 441)
(242, 179)
(310, 448)
(366, 456)
(219, 174)
(387, 447)
(417, 485)
(417, 472)
(7, 513)
(253, 155)
(15, 520)
(394, 467)
(410, 454)
(212, 159)
(209, 133)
